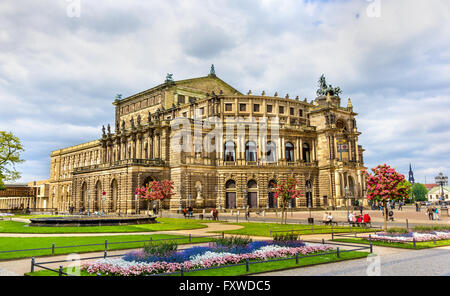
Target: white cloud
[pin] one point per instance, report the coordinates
(59, 75)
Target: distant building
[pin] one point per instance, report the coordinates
(411, 175)
(435, 193)
(17, 196)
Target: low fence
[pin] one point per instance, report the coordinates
(182, 272)
(297, 259)
(319, 229)
(371, 240)
(60, 272)
(106, 244)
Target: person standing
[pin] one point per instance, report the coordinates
(400, 206)
(191, 211)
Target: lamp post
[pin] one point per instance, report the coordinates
(347, 193)
(441, 180)
(180, 207)
(245, 199)
(136, 203)
(220, 198)
(89, 202)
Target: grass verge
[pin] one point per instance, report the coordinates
(419, 245)
(269, 229)
(130, 242)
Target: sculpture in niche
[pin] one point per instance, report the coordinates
(199, 198)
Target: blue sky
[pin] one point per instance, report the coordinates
(59, 73)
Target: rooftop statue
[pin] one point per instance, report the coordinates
(325, 89)
(212, 71)
(169, 77)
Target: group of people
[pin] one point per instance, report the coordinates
(188, 212)
(352, 218)
(328, 218)
(433, 213)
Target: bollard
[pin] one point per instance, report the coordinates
(223, 235)
(151, 240)
(53, 249)
(106, 244)
(407, 224)
(60, 272)
(414, 242)
(32, 264)
(190, 239)
(105, 254)
(337, 252)
(323, 241)
(371, 246)
(182, 270)
(296, 258)
(247, 265)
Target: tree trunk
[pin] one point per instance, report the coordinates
(386, 213)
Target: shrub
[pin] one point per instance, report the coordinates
(398, 230)
(161, 249)
(288, 240)
(233, 241)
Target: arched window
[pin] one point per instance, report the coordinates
(250, 151)
(230, 151)
(230, 184)
(271, 152)
(289, 152)
(252, 184)
(306, 153)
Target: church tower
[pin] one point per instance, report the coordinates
(411, 175)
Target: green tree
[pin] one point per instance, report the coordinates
(10, 149)
(419, 192)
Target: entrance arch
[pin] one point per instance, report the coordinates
(114, 195)
(98, 197)
(252, 195)
(271, 202)
(230, 196)
(84, 196)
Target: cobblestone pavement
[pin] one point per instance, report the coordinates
(430, 262)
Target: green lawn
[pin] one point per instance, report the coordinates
(254, 268)
(20, 243)
(268, 229)
(163, 225)
(419, 245)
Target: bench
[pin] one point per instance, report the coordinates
(360, 224)
(330, 223)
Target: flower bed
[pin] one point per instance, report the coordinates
(409, 237)
(137, 264)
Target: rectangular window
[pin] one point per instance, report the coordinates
(242, 107)
(292, 111)
(255, 107)
(181, 99)
(300, 113)
(202, 110)
(269, 108)
(229, 107)
(281, 110)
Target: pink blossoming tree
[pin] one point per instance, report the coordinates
(285, 191)
(155, 190)
(385, 185)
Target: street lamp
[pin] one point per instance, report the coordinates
(136, 203)
(245, 204)
(347, 193)
(89, 202)
(441, 180)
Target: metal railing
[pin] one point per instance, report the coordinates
(320, 228)
(150, 241)
(297, 258)
(371, 240)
